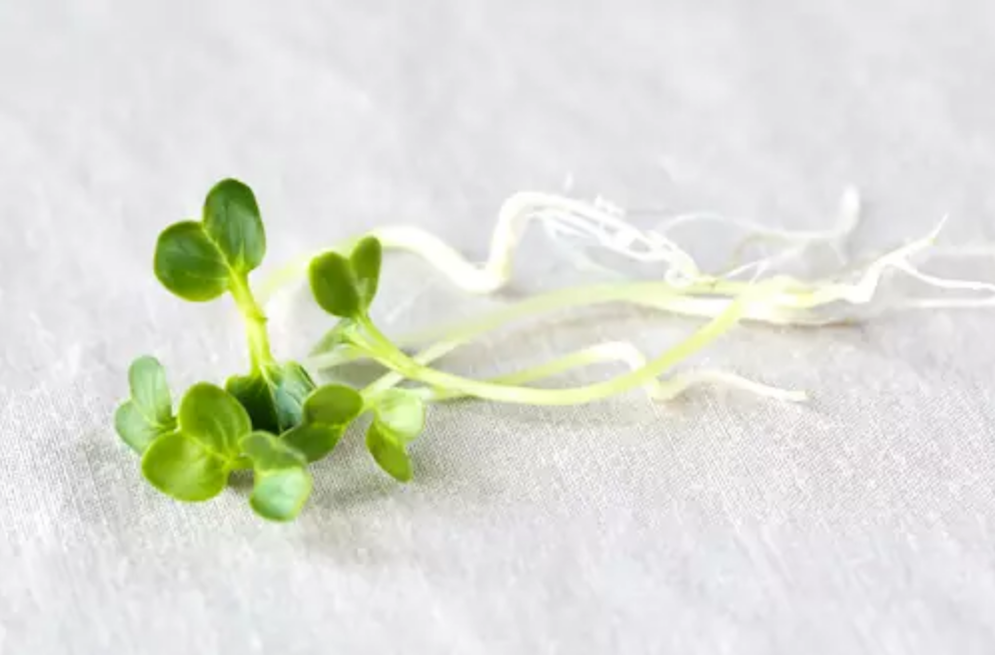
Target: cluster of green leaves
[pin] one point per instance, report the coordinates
(200, 261)
(345, 287)
(273, 420)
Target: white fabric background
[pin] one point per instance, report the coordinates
(860, 522)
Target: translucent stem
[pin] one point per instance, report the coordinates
(703, 298)
(394, 358)
(657, 295)
(628, 354)
(260, 353)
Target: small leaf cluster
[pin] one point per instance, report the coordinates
(273, 420)
(200, 260)
(345, 287)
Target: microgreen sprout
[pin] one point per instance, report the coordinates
(276, 422)
(272, 420)
(191, 455)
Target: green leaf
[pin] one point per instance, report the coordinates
(333, 404)
(282, 482)
(189, 264)
(150, 390)
(253, 392)
(274, 397)
(399, 417)
(334, 286)
(135, 430)
(365, 260)
(327, 412)
(400, 413)
(291, 386)
(314, 440)
(269, 452)
(388, 453)
(233, 223)
(214, 418)
(181, 467)
(193, 463)
(281, 495)
(148, 414)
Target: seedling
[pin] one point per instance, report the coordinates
(275, 421)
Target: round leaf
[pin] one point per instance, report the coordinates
(365, 260)
(135, 430)
(150, 391)
(282, 483)
(401, 413)
(232, 221)
(334, 285)
(189, 264)
(388, 453)
(280, 495)
(182, 468)
(333, 404)
(214, 418)
(315, 441)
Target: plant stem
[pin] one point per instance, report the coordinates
(643, 293)
(650, 294)
(615, 352)
(392, 357)
(260, 353)
(659, 295)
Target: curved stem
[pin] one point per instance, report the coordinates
(628, 354)
(711, 300)
(392, 378)
(657, 295)
(388, 354)
(789, 307)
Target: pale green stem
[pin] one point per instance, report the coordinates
(651, 294)
(627, 354)
(394, 358)
(260, 353)
(453, 335)
(793, 294)
(392, 378)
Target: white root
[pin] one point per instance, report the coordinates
(660, 390)
(516, 214)
(571, 222)
(576, 227)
